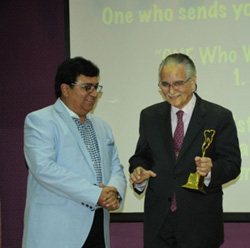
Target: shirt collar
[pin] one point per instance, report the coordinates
(187, 109)
(71, 113)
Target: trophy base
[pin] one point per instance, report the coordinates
(195, 182)
(192, 187)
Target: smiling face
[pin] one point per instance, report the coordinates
(172, 73)
(77, 98)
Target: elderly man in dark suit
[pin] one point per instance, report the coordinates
(170, 147)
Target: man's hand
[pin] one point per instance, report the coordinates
(203, 165)
(139, 175)
(108, 198)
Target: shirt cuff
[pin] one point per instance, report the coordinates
(207, 179)
(140, 186)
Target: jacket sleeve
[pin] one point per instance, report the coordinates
(142, 156)
(227, 162)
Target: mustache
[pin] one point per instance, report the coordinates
(174, 95)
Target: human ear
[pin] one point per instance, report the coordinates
(65, 89)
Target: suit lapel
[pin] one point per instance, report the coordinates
(195, 125)
(165, 128)
(62, 112)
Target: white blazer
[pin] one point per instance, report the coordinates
(62, 192)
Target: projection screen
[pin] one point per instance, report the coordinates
(128, 39)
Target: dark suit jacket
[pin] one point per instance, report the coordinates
(200, 216)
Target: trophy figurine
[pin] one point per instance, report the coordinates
(195, 180)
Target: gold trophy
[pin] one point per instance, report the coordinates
(195, 180)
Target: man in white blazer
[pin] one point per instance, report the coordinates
(71, 189)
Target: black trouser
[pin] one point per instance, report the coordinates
(96, 235)
(168, 238)
(167, 235)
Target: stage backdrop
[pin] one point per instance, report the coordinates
(128, 39)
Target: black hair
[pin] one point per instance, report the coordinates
(70, 69)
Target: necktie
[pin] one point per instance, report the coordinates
(88, 135)
(178, 139)
(178, 133)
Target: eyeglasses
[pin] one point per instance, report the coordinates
(90, 87)
(177, 85)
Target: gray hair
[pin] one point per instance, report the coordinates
(179, 58)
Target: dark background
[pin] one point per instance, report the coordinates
(32, 44)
